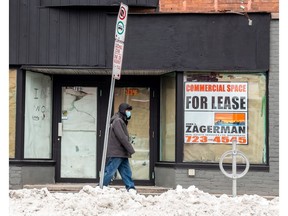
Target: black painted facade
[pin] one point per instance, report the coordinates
(81, 36)
(98, 3)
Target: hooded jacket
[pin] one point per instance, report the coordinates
(119, 142)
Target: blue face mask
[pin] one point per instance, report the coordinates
(128, 114)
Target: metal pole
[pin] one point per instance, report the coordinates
(107, 132)
(234, 168)
(234, 152)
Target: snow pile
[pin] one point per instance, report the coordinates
(110, 201)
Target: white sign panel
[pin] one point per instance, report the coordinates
(117, 59)
(216, 112)
(121, 23)
(119, 41)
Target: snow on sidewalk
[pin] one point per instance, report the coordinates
(92, 201)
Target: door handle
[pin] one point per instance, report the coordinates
(60, 129)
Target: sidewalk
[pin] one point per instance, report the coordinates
(76, 187)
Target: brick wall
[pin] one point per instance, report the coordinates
(274, 100)
(200, 6)
(22, 175)
(15, 177)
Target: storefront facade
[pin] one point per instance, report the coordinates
(195, 81)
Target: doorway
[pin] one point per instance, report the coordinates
(78, 155)
(138, 127)
(80, 107)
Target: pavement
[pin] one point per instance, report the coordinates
(76, 187)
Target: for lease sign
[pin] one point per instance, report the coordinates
(215, 112)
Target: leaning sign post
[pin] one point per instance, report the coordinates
(116, 74)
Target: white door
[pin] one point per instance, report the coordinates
(79, 132)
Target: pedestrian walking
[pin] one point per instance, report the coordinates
(119, 148)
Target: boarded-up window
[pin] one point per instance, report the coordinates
(12, 111)
(167, 117)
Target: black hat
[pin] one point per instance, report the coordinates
(123, 107)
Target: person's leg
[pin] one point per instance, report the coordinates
(110, 169)
(126, 174)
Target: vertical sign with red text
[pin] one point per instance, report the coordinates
(117, 59)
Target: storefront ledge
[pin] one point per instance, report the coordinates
(32, 162)
(82, 70)
(253, 167)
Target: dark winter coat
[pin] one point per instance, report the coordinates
(119, 143)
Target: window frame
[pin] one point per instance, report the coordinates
(20, 126)
(179, 138)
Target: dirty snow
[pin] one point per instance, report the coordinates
(110, 201)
